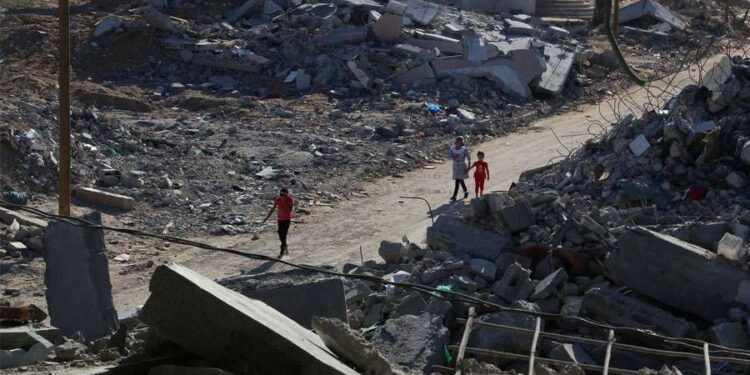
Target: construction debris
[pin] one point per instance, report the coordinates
(650, 8)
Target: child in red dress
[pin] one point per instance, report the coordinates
(482, 173)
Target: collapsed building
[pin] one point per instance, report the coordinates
(641, 235)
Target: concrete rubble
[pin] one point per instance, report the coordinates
(566, 237)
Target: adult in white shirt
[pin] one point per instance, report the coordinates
(461, 160)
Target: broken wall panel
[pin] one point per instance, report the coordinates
(232, 330)
(676, 273)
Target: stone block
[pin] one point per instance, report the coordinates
(415, 342)
(730, 247)
(549, 285)
(39, 349)
(232, 325)
(609, 306)
(483, 268)
(676, 273)
(515, 285)
(105, 199)
(413, 304)
(351, 346)
(503, 339)
(79, 293)
(453, 234)
(391, 252)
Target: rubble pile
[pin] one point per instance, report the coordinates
(353, 46)
(656, 204)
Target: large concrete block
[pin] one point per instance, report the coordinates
(558, 63)
(453, 234)
(106, 199)
(301, 302)
(676, 273)
(79, 293)
(39, 349)
(238, 333)
(615, 308)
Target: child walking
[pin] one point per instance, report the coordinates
(284, 203)
(480, 174)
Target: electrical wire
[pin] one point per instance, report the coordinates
(453, 295)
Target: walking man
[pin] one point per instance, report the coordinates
(284, 204)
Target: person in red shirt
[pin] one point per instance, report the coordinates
(284, 203)
(482, 173)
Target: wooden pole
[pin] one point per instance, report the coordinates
(706, 358)
(63, 178)
(616, 17)
(465, 340)
(608, 355)
(534, 342)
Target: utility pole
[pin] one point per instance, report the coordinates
(63, 177)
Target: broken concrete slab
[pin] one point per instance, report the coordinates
(16, 337)
(422, 74)
(474, 47)
(363, 4)
(514, 27)
(301, 302)
(607, 305)
(653, 9)
(500, 71)
(559, 64)
(396, 7)
(351, 346)
(360, 74)
(7, 216)
(407, 49)
(232, 325)
(388, 28)
(38, 351)
(104, 198)
(391, 252)
(709, 290)
(421, 12)
(244, 10)
(107, 25)
(415, 342)
(79, 293)
(529, 63)
(160, 20)
(343, 35)
(453, 234)
(430, 41)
